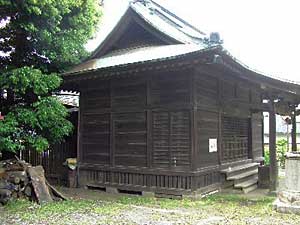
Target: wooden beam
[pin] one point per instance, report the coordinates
(294, 131)
(272, 147)
(194, 128)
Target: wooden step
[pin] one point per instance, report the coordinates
(243, 175)
(246, 184)
(230, 171)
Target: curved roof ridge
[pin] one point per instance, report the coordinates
(260, 72)
(178, 18)
(160, 19)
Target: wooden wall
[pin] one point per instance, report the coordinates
(257, 136)
(153, 130)
(171, 139)
(95, 122)
(140, 121)
(224, 105)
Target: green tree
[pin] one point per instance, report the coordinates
(38, 40)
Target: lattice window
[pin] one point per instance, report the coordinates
(235, 138)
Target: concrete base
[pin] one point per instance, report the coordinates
(286, 207)
(287, 202)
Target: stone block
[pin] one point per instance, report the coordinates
(112, 190)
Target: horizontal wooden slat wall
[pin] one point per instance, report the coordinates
(136, 133)
(95, 125)
(116, 134)
(151, 131)
(170, 89)
(206, 92)
(130, 139)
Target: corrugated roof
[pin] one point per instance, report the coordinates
(138, 55)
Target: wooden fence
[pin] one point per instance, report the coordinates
(52, 160)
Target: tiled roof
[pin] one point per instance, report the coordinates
(192, 41)
(168, 23)
(161, 20)
(68, 98)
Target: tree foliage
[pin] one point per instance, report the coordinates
(38, 40)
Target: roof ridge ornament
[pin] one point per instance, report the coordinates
(214, 39)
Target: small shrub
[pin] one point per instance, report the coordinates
(281, 149)
(267, 156)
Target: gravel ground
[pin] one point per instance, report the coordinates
(94, 207)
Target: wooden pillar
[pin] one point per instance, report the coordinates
(294, 131)
(272, 148)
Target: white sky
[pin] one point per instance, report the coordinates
(264, 34)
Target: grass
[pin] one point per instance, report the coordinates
(234, 209)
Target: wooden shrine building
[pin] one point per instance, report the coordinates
(164, 108)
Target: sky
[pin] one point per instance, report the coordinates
(263, 34)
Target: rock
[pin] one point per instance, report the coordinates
(38, 180)
(5, 195)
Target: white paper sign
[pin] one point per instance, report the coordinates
(213, 145)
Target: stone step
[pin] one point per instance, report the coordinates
(243, 175)
(246, 184)
(227, 184)
(250, 188)
(231, 171)
(244, 179)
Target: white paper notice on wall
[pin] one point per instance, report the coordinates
(213, 145)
